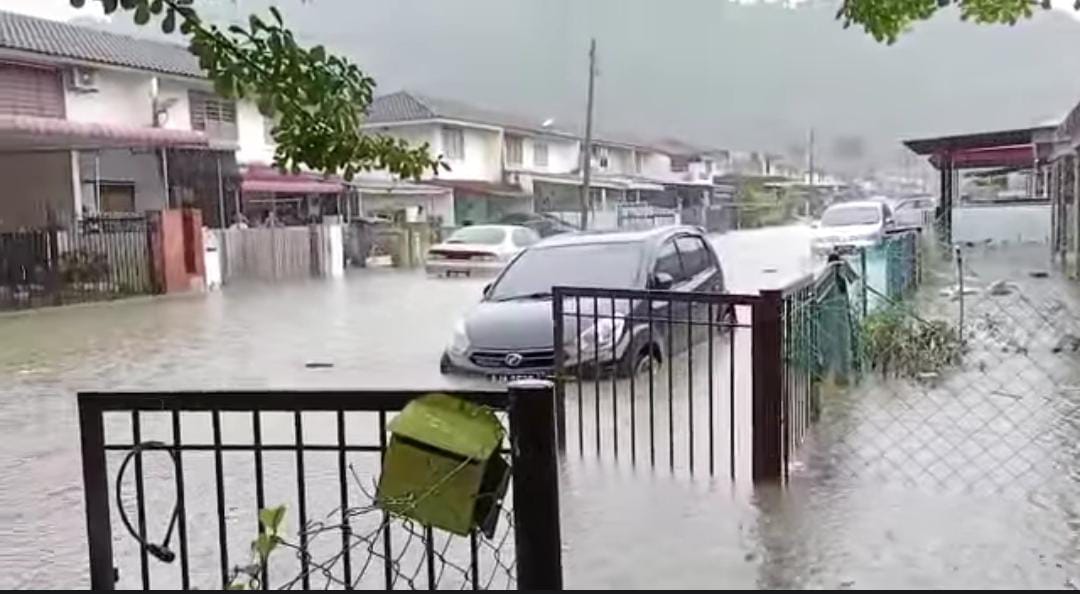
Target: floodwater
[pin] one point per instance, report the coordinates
(623, 525)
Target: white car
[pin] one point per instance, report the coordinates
(478, 249)
(851, 225)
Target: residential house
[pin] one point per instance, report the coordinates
(96, 122)
(493, 157)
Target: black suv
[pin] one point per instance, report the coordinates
(510, 331)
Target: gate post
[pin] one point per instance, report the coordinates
(768, 371)
(96, 487)
(560, 362)
(535, 474)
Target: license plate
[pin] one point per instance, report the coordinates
(506, 379)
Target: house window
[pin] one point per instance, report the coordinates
(212, 114)
(680, 164)
(25, 90)
(116, 197)
(639, 162)
(514, 150)
(540, 154)
(453, 140)
(600, 156)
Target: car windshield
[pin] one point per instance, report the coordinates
(482, 235)
(851, 215)
(611, 265)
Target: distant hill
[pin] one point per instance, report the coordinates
(715, 72)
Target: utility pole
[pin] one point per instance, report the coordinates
(586, 150)
(810, 154)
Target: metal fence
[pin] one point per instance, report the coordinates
(205, 465)
(94, 258)
(686, 381)
(963, 377)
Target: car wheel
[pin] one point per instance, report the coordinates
(639, 364)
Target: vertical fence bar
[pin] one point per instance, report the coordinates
(690, 308)
(140, 500)
(614, 385)
(652, 399)
(429, 555)
(219, 485)
(301, 496)
(767, 392)
(96, 485)
(260, 496)
(558, 341)
(346, 530)
(633, 380)
(712, 435)
(388, 561)
(670, 309)
(580, 365)
(864, 281)
(596, 369)
(537, 535)
(731, 396)
(181, 513)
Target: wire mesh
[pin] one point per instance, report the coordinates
(963, 377)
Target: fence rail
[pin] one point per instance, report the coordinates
(95, 258)
(315, 452)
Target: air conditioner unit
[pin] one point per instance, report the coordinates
(83, 80)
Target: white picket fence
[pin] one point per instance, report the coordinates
(281, 253)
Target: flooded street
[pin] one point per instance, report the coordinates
(622, 526)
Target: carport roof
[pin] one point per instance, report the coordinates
(976, 140)
(27, 133)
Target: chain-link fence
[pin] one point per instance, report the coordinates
(960, 373)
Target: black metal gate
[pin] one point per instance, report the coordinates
(204, 465)
(690, 381)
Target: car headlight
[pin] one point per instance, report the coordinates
(602, 335)
(460, 341)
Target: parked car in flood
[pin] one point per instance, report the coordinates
(851, 225)
(544, 224)
(510, 332)
(478, 249)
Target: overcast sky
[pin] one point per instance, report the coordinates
(732, 75)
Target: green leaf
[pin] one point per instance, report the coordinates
(81, 3)
(142, 15)
(109, 6)
(277, 14)
(272, 517)
(318, 53)
(264, 545)
(128, 4)
(168, 24)
(156, 6)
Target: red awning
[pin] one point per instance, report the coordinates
(286, 186)
(1003, 156)
(20, 132)
(261, 179)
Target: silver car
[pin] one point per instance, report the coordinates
(851, 225)
(478, 249)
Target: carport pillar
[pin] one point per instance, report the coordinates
(945, 205)
(768, 369)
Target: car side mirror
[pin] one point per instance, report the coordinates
(815, 224)
(662, 281)
(487, 289)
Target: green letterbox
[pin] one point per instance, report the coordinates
(443, 467)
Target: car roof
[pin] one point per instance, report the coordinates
(645, 236)
(503, 227)
(856, 204)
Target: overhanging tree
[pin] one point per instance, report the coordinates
(316, 100)
(885, 20)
